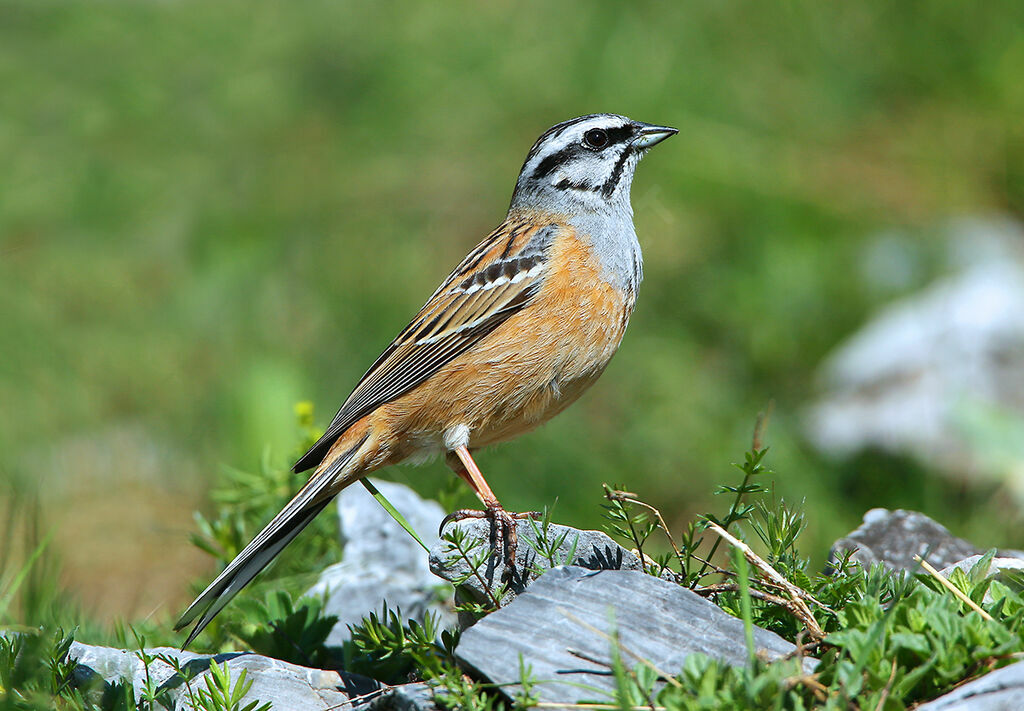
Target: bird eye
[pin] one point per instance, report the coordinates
(596, 138)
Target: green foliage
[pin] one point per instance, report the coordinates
(221, 695)
(546, 545)
(891, 639)
(624, 520)
(475, 553)
(387, 648)
(34, 670)
(281, 628)
(739, 510)
(709, 685)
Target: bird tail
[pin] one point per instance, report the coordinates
(295, 516)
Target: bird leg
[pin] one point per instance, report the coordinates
(504, 522)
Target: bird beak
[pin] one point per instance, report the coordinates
(648, 135)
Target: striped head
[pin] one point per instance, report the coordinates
(585, 163)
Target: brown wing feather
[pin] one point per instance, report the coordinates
(481, 294)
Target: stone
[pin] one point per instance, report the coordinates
(1001, 690)
(406, 697)
(937, 374)
(893, 538)
(380, 562)
(996, 568)
(567, 546)
(288, 687)
(561, 628)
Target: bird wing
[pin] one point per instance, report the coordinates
(496, 280)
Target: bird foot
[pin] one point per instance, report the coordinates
(504, 528)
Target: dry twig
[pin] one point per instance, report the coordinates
(799, 607)
(930, 569)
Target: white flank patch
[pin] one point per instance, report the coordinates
(455, 437)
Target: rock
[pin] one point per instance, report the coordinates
(285, 686)
(894, 537)
(587, 549)
(937, 374)
(1001, 690)
(551, 627)
(406, 697)
(996, 567)
(381, 562)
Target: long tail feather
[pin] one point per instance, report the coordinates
(277, 534)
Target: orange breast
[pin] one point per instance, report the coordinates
(527, 370)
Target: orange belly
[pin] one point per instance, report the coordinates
(528, 370)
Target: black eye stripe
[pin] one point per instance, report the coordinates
(548, 165)
(556, 131)
(620, 134)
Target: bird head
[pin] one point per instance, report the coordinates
(585, 163)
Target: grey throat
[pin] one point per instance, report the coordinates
(583, 168)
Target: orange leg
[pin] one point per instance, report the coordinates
(470, 473)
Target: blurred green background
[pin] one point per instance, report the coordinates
(211, 211)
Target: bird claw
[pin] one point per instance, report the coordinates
(505, 528)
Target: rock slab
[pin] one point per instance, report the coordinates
(1001, 690)
(551, 627)
(381, 562)
(287, 687)
(416, 696)
(567, 546)
(893, 538)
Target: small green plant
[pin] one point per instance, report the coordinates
(624, 520)
(283, 628)
(221, 695)
(547, 546)
(35, 669)
(187, 673)
(739, 510)
(476, 553)
(387, 648)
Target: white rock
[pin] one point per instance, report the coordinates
(940, 374)
(381, 562)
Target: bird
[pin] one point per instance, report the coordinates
(523, 325)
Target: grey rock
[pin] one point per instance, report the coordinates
(406, 697)
(893, 538)
(937, 374)
(285, 686)
(561, 626)
(587, 549)
(381, 562)
(996, 568)
(1001, 690)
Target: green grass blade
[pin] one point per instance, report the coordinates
(743, 576)
(19, 578)
(393, 511)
